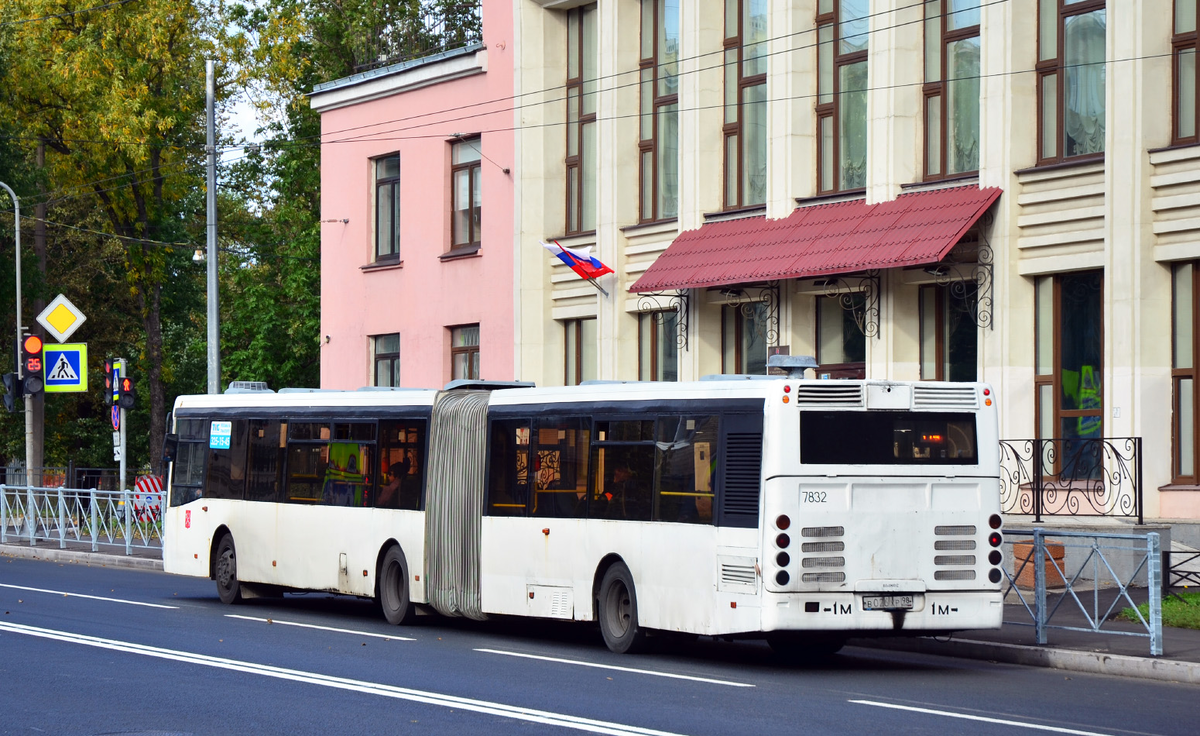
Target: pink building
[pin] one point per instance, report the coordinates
(417, 217)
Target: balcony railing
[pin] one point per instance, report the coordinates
(1072, 477)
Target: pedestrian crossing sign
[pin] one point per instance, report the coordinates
(64, 368)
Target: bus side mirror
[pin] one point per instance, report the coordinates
(170, 447)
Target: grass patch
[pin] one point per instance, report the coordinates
(1181, 614)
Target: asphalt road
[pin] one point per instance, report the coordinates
(95, 650)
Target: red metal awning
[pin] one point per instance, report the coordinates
(820, 240)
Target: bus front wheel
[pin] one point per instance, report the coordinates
(393, 595)
(225, 571)
(617, 610)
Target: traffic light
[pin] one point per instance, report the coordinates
(12, 391)
(127, 395)
(108, 383)
(31, 363)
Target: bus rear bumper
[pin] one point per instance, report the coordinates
(850, 611)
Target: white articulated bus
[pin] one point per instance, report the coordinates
(805, 511)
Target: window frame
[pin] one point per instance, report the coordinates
(474, 171)
(577, 87)
(850, 369)
(939, 89)
(1056, 67)
(740, 317)
(1180, 374)
(832, 109)
(651, 72)
(470, 351)
(573, 336)
(943, 303)
(1054, 378)
(658, 335)
(393, 358)
(393, 183)
(1180, 44)
(733, 50)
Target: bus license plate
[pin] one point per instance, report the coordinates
(887, 602)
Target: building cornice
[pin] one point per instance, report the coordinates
(403, 77)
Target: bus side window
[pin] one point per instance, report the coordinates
(188, 474)
(262, 475)
(227, 460)
(401, 464)
(623, 471)
(560, 467)
(308, 456)
(685, 467)
(509, 471)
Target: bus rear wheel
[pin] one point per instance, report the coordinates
(225, 571)
(616, 606)
(393, 593)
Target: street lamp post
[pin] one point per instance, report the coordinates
(17, 343)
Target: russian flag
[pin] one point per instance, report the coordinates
(580, 260)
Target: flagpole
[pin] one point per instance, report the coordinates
(598, 286)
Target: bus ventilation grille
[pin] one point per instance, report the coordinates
(829, 393)
(953, 574)
(737, 574)
(743, 474)
(827, 564)
(954, 545)
(945, 397)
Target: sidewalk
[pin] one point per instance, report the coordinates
(1078, 651)
(1104, 653)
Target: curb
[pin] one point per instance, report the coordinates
(1098, 663)
(76, 556)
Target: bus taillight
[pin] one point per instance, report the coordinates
(783, 522)
(782, 541)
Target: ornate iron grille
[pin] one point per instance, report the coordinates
(1072, 477)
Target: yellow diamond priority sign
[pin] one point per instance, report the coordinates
(61, 318)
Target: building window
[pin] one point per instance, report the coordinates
(1185, 42)
(1068, 348)
(386, 349)
(658, 147)
(579, 360)
(949, 336)
(464, 352)
(745, 128)
(387, 208)
(744, 338)
(467, 202)
(658, 346)
(1071, 72)
(841, 344)
(582, 62)
(1184, 373)
(842, 42)
(951, 87)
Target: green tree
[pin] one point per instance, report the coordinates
(117, 97)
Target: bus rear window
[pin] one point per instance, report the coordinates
(887, 438)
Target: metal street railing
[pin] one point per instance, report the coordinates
(1072, 477)
(126, 518)
(1095, 567)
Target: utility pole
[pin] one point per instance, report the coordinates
(214, 315)
(37, 452)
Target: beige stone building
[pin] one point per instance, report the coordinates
(1038, 159)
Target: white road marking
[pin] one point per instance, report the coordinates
(80, 595)
(985, 719)
(617, 668)
(500, 710)
(322, 628)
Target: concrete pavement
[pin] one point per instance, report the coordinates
(1110, 652)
